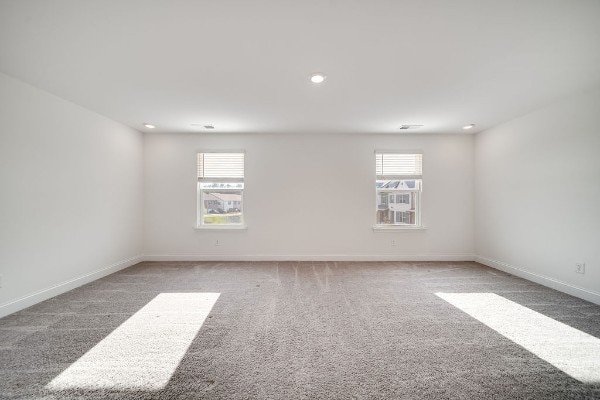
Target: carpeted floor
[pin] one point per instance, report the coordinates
(310, 330)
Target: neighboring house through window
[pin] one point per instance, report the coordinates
(220, 189)
(398, 185)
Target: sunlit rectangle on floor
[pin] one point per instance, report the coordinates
(144, 351)
(568, 349)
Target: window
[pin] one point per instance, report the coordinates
(402, 217)
(398, 184)
(384, 198)
(220, 189)
(403, 198)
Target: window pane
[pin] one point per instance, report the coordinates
(399, 209)
(221, 207)
(397, 201)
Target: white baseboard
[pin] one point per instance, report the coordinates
(307, 257)
(564, 287)
(33, 298)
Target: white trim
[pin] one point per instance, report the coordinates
(398, 228)
(218, 227)
(308, 257)
(34, 298)
(44, 294)
(403, 151)
(221, 150)
(547, 281)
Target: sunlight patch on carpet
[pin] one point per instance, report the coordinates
(572, 351)
(144, 351)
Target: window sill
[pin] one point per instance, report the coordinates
(396, 228)
(221, 227)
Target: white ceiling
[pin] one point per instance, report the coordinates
(244, 65)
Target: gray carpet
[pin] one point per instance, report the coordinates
(289, 330)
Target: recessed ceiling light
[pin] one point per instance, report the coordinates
(466, 127)
(149, 126)
(318, 77)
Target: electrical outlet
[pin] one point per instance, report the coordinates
(580, 268)
(393, 242)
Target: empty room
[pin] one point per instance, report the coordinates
(317, 199)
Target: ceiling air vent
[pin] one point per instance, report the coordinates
(203, 126)
(410, 126)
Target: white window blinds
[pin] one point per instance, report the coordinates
(221, 166)
(398, 166)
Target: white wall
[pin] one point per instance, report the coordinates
(71, 195)
(307, 197)
(537, 195)
(75, 186)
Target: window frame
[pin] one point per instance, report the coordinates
(200, 197)
(418, 192)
